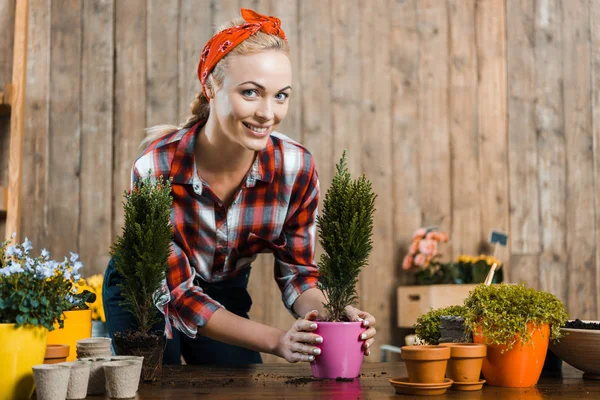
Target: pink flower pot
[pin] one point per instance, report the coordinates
(341, 354)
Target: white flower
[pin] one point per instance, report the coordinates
(67, 274)
(77, 266)
(74, 256)
(45, 254)
(5, 271)
(29, 263)
(76, 277)
(15, 268)
(27, 246)
(13, 235)
(10, 251)
(45, 272)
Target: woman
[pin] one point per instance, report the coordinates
(239, 188)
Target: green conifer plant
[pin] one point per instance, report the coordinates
(345, 232)
(140, 255)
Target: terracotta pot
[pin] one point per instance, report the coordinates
(78, 325)
(465, 361)
(520, 366)
(341, 351)
(56, 353)
(20, 349)
(425, 364)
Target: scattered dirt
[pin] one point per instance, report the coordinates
(344, 379)
(301, 381)
(578, 324)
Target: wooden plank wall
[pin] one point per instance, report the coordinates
(457, 120)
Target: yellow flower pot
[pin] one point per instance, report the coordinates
(20, 349)
(78, 325)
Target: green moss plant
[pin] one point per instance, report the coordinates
(503, 311)
(345, 231)
(427, 327)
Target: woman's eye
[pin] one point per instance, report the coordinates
(250, 93)
(282, 96)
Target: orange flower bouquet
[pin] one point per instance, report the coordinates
(424, 258)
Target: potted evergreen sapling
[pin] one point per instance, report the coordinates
(345, 231)
(140, 256)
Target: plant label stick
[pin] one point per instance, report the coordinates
(496, 238)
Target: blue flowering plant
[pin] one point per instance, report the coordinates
(37, 290)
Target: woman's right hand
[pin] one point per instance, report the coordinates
(297, 344)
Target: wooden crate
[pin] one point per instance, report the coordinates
(414, 301)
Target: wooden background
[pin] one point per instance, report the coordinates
(467, 114)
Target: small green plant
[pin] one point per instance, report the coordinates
(427, 327)
(345, 231)
(37, 290)
(503, 311)
(140, 255)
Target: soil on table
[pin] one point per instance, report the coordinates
(579, 324)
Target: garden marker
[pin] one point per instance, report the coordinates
(496, 238)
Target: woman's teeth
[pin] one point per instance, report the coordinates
(256, 129)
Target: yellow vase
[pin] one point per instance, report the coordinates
(20, 349)
(78, 325)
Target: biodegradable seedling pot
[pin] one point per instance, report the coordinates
(341, 351)
(122, 378)
(425, 364)
(78, 379)
(56, 353)
(465, 361)
(96, 383)
(51, 381)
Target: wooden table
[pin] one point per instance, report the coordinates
(293, 381)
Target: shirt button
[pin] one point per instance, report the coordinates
(196, 187)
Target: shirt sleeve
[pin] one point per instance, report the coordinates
(180, 301)
(295, 269)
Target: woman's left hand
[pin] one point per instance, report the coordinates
(368, 321)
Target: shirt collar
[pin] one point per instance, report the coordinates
(183, 168)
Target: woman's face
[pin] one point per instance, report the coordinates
(253, 98)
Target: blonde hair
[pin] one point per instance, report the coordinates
(200, 107)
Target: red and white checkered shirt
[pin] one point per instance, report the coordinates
(274, 211)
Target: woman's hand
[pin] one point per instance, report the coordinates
(297, 343)
(368, 321)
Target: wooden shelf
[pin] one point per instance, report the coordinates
(3, 199)
(5, 100)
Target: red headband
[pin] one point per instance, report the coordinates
(223, 42)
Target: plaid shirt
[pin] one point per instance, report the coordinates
(274, 211)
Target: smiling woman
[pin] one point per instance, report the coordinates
(239, 188)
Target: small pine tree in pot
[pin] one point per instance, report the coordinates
(140, 256)
(345, 232)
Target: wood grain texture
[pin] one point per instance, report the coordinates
(551, 147)
(34, 220)
(224, 11)
(345, 83)
(522, 140)
(7, 25)
(581, 234)
(434, 146)
(95, 233)
(194, 31)
(377, 290)
(162, 96)
(130, 97)
(405, 122)
(522, 144)
(17, 121)
(492, 120)
(595, 43)
(65, 128)
(463, 119)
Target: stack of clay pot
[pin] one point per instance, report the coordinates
(426, 367)
(464, 366)
(94, 348)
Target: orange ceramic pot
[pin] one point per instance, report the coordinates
(520, 366)
(425, 364)
(78, 325)
(465, 361)
(56, 353)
